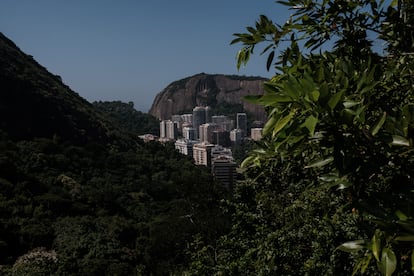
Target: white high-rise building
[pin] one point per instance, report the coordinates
(202, 154)
(187, 118)
(163, 130)
(206, 132)
(236, 136)
(201, 115)
(256, 133)
(189, 133)
(185, 146)
(171, 129)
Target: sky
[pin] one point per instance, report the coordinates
(130, 50)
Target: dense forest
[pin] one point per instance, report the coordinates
(127, 117)
(81, 194)
(327, 191)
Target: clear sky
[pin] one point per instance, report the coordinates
(130, 50)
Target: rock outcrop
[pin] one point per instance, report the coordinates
(208, 90)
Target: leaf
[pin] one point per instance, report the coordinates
(310, 123)
(283, 122)
(349, 104)
(375, 128)
(376, 245)
(362, 265)
(401, 215)
(315, 95)
(286, 3)
(269, 125)
(272, 86)
(320, 163)
(243, 56)
(352, 246)
(254, 99)
(405, 238)
(334, 100)
(388, 262)
(399, 141)
(270, 60)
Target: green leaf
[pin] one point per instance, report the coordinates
(254, 99)
(376, 245)
(243, 56)
(315, 95)
(405, 238)
(407, 225)
(388, 261)
(352, 246)
(269, 125)
(268, 99)
(310, 123)
(320, 163)
(286, 3)
(401, 215)
(334, 100)
(272, 86)
(270, 60)
(283, 122)
(349, 104)
(375, 128)
(399, 141)
(362, 265)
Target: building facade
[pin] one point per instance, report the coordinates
(185, 146)
(256, 133)
(224, 171)
(236, 136)
(202, 154)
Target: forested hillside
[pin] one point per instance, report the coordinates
(125, 115)
(80, 195)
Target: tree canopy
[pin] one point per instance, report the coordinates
(329, 190)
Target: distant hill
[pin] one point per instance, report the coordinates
(127, 117)
(216, 91)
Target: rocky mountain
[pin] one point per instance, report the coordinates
(35, 103)
(206, 89)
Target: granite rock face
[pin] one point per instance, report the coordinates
(208, 90)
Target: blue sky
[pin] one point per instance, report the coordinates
(130, 50)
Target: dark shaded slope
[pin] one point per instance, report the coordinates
(35, 103)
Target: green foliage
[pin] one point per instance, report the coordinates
(125, 116)
(329, 188)
(102, 210)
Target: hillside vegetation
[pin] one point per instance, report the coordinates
(81, 195)
(125, 116)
